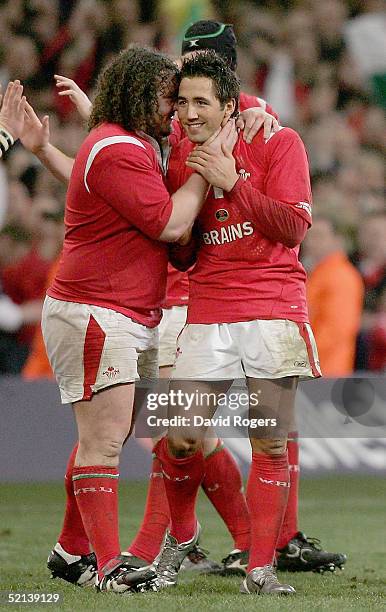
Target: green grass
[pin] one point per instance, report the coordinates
(347, 513)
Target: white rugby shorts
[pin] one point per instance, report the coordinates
(258, 349)
(90, 348)
(172, 323)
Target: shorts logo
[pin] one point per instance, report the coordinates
(300, 364)
(222, 214)
(111, 372)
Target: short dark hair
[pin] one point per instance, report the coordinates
(208, 64)
(209, 34)
(127, 89)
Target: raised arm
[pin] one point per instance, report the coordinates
(69, 88)
(11, 115)
(36, 138)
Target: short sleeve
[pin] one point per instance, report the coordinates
(127, 177)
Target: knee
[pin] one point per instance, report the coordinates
(183, 447)
(103, 449)
(272, 447)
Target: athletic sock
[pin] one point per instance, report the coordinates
(96, 492)
(290, 521)
(267, 494)
(73, 538)
(182, 479)
(148, 541)
(223, 485)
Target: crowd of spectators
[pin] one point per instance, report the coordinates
(320, 64)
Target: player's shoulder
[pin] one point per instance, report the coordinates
(249, 101)
(110, 140)
(285, 137)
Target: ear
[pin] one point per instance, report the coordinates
(229, 108)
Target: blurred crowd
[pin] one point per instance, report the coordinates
(320, 64)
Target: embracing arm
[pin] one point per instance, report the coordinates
(187, 202)
(183, 253)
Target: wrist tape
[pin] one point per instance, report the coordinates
(6, 140)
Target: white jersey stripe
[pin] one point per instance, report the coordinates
(106, 142)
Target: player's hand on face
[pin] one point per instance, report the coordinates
(217, 167)
(36, 134)
(69, 88)
(226, 135)
(12, 110)
(252, 119)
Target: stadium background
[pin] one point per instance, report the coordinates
(322, 67)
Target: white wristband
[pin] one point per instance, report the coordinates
(6, 140)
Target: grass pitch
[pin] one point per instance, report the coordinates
(347, 513)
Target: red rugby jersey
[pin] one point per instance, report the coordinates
(117, 206)
(177, 288)
(240, 273)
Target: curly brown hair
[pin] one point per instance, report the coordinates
(127, 89)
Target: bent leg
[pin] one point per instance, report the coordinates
(103, 424)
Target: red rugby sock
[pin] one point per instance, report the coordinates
(290, 521)
(73, 537)
(267, 494)
(223, 485)
(182, 478)
(148, 541)
(96, 492)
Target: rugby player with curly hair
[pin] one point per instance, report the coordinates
(101, 312)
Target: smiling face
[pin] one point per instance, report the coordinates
(199, 110)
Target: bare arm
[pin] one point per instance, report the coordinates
(35, 138)
(187, 203)
(59, 164)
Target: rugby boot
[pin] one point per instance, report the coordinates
(234, 564)
(197, 560)
(169, 561)
(263, 581)
(120, 577)
(304, 554)
(77, 569)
